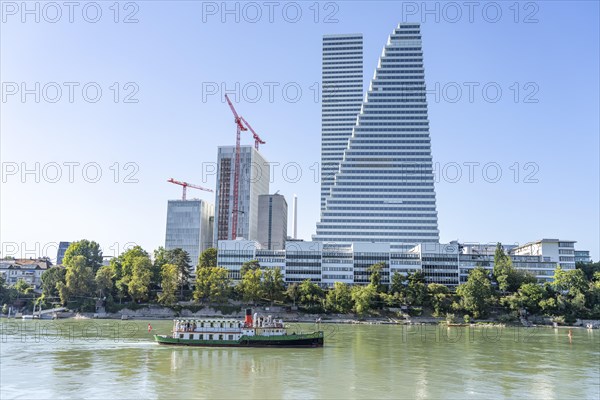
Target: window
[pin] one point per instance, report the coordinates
(220, 337)
(210, 337)
(230, 337)
(181, 336)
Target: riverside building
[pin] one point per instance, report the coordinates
(383, 188)
(326, 263)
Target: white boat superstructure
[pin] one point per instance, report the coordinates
(227, 328)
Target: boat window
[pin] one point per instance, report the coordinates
(210, 337)
(211, 324)
(181, 336)
(201, 324)
(230, 337)
(220, 337)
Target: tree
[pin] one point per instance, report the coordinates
(50, 278)
(208, 258)
(79, 279)
(589, 269)
(397, 285)
(169, 280)
(249, 265)
(104, 280)
(90, 250)
(140, 278)
(251, 285)
(509, 279)
(310, 294)
(181, 258)
(273, 284)
(22, 288)
(212, 283)
(375, 275)
(416, 291)
(529, 296)
(570, 288)
(293, 292)
(439, 297)
(339, 298)
(363, 297)
(476, 294)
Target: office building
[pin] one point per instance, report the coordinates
(326, 263)
(342, 95)
(561, 252)
(189, 227)
(253, 181)
(60, 253)
(383, 190)
(272, 221)
(582, 256)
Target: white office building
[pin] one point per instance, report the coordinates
(326, 263)
(383, 190)
(557, 251)
(342, 95)
(253, 181)
(189, 227)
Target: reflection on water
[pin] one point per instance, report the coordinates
(108, 359)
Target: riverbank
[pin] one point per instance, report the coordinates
(156, 312)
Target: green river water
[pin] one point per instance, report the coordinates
(105, 359)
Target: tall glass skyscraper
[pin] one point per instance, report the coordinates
(342, 96)
(383, 190)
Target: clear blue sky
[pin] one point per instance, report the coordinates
(178, 48)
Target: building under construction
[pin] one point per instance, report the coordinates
(189, 223)
(254, 177)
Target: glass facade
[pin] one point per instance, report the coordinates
(342, 80)
(383, 189)
(189, 227)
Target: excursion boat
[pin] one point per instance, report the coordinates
(253, 331)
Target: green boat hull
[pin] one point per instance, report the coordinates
(314, 339)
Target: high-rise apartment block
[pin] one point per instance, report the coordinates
(253, 181)
(383, 188)
(272, 221)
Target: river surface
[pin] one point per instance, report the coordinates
(102, 359)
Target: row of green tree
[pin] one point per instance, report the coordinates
(134, 276)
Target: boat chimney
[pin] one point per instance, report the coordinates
(248, 320)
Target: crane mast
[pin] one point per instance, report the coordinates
(236, 177)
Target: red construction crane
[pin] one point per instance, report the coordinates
(185, 186)
(236, 177)
(257, 139)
